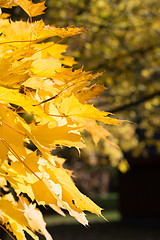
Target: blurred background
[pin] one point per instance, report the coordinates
(124, 44)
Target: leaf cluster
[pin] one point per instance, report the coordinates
(37, 82)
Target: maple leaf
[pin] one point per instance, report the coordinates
(72, 107)
(15, 74)
(35, 220)
(14, 219)
(9, 131)
(30, 8)
(89, 92)
(97, 131)
(21, 32)
(46, 67)
(62, 135)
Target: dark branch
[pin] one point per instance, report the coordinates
(135, 103)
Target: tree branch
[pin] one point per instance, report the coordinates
(135, 103)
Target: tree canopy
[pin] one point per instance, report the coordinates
(123, 43)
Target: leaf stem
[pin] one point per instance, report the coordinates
(55, 96)
(16, 155)
(13, 128)
(30, 34)
(7, 231)
(19, 41)
(21, 201)
(49, 45)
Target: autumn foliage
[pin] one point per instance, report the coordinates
(124, 44)
(43, 102)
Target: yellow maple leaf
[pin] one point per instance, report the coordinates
(35, 220)
(72, 193)
(9, 131)
(14, 219)
(50, 49)
(63, 135)
(25, 33)
(72, 107)
(15, 74)
(46, 67)
(31, 8)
